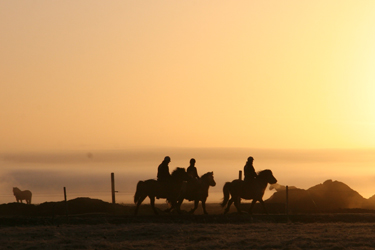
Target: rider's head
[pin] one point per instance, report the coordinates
(192, 161)
(250, 159)
(167, 159)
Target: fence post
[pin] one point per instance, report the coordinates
(113, 188)
(240, 175)
(287, 202)
(66, 202)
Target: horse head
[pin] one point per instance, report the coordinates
(209, 178)
(16, 190)
(267, 176)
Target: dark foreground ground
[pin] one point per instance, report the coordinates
(87, 228)
(103, 232)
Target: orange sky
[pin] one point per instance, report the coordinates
(88, 75)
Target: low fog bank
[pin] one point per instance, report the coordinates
(153, 155)
(87, 173)
(48, 185)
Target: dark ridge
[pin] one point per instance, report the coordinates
(329, 196)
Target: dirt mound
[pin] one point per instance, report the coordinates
(329, 196)
(71, 207)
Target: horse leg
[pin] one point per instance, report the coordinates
(196, 202)
(139, 202)
(168, 209)
(204, 206)
(237, 204)
(228, 206)
(252, 205)
(264, 206)
(178, 205)
(171, 205)
(152, 202)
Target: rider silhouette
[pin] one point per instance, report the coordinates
(192, 170)
(249, 171)
(164, 177)
(163, 170)
(193, 180)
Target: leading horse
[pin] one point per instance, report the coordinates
(196, 190)
(248, 190)
(156, 189)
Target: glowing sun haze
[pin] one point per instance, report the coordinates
(119, 74)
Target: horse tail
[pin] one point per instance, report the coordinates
(226, 193)
(138, 192)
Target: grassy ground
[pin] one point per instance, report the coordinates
(261, 235)
(117, 228)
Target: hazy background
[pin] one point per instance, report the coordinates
(121, 79)
(87, 174)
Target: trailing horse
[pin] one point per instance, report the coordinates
(196, 190)
(248, 190)
(22, 195)
(157, 189)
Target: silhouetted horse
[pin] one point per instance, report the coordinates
(22, 195)
(253, 189)
(167, 190)
(196, 190)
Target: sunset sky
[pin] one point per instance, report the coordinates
(291, 83)
(92, 75)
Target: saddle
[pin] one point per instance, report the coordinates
(250, 183)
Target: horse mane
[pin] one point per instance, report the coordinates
(178, 171)
(263, 172)
(206, 174)
(16, 189)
